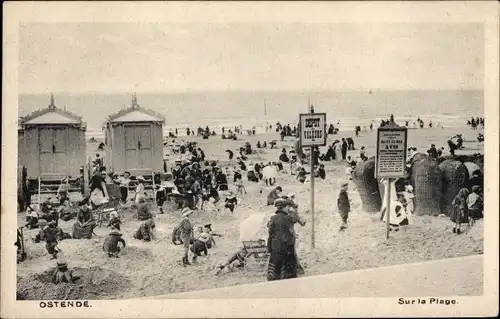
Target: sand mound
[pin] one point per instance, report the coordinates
(94, 283)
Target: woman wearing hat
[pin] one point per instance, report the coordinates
(281, 244)
(184, 233)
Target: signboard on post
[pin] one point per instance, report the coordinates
(391, 152)
(312, 129)
(390, 160)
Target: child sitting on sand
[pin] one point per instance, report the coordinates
(145, 231)
(110, 245)
(199, 246)
(211, 241)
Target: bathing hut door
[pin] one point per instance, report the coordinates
(53, 150)
(143, 134)
(138, 153)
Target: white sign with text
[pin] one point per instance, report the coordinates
(312, 129)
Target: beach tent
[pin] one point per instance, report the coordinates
(134, 137)
(472, 167)
(52, 143)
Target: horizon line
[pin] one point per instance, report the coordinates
(249, 91)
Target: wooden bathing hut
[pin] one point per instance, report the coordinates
(134, 139)
(51, 146)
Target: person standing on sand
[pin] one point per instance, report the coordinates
(344, 205)
(460, 213)
(124, 183)
(184, 233)
(344, 149)
(292, 209)
(281, 244)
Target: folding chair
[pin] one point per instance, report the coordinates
(257, 254)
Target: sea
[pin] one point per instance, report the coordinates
(344, 109)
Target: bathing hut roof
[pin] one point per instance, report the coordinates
(392, 125)
(51, 115)
(135, 113)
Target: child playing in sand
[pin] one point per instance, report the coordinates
(344, 205)
(199, 246)
(145, 231)
(211, 241)
(110, 245)
(51, 233)
(231, 202)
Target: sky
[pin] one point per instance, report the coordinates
(129, 57)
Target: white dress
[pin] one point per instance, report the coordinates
(338, 153)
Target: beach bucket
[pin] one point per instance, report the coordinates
(455, 177)
(367, 185)
(426, 179)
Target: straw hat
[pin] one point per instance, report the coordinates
(186, 212)
(140, 178)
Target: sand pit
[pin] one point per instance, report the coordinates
(93, 283)
(147, 269)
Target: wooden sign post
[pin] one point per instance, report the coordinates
(391, 160)
(312, 134)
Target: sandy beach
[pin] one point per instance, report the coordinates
(147, 269)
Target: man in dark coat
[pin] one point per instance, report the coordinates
(344, 149)
(344, 205)
(281, 244)
(433, 153)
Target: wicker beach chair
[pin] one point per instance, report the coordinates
(426, 179)
(455, 177)
(367, 185)
(256, 254)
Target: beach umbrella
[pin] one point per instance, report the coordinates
(270, 171)
(254, 227)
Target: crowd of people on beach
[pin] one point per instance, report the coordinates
(197, 184)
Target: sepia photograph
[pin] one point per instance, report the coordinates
(246, 158)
